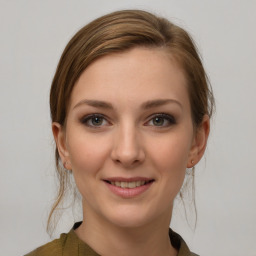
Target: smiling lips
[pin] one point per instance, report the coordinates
(128, 188)
(132, 184)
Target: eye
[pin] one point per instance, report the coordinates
(95, 121)
(161, 120)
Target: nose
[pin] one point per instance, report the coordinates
(127, 147)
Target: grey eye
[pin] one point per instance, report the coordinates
(158, 121)
(96, 121)
(161, 120)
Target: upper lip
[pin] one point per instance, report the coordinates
(113, 179)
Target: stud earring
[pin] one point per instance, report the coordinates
(65, 164)
(192, 161)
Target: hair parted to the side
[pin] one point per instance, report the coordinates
(118, 32)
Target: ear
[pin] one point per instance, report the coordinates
(199, 142)
(60, 140)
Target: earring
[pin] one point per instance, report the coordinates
(65, 164)
(192, 161)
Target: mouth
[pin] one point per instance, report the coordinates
(129, 188)
(129, 184)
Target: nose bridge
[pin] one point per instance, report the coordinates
(127, 148)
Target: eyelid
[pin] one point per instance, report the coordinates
(170, 118)
(84, 120)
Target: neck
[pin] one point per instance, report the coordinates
(108, 239)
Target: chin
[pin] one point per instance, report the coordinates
(130, 218)
(129, 223)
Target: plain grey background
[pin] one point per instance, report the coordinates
(33, 35)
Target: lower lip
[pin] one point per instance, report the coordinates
(129, 192)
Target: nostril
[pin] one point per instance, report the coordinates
(127, 151)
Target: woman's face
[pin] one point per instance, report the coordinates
(129, 137)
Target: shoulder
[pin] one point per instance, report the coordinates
(54, 248)
(180, 244)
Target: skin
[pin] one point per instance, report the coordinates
(130, 139)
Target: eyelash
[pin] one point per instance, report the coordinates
(166, 118)
(85, 120)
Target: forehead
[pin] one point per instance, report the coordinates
(138, 74)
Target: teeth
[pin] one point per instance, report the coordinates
(132, 184)
(123, 184)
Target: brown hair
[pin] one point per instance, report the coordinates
(117, 32)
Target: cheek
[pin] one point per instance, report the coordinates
(87, 156)
(172, 152)
(170, 156)
(87, 152)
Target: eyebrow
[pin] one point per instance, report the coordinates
(146, 105)
(159, 102)
(94, 103)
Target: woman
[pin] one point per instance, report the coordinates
(130, 108)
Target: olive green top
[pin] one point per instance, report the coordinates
(70, 245)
